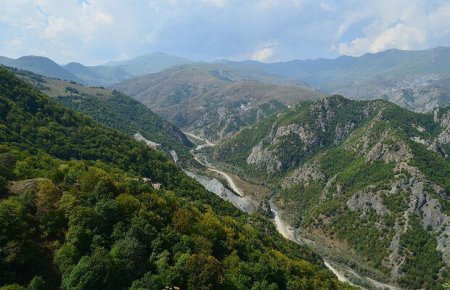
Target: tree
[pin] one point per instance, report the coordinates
(37, 284)
(97, 182)
(131, 256)
(7, 162)
(97, 271)
(182, 220)
(66, 258)
(50, 218)
(203, 272)
(127, 204)
(3, 183)
(12, 287)
(83, 223)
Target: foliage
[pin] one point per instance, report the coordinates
(345, 170)
(88, 220)
(423, 260)
(129, 116)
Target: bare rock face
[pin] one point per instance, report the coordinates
(306, 136)
(222, 112)
(419, 202)
(342, 131)
(215, 186)
(304, 174)
(443, 138)
(262, 156)
(419, 97)
(389, 152)
(397, 196)
(366, 200)
(384, 147)
(265, 208)
(433, 218)
(417, 93)
(419, 192)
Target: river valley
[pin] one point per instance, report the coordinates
(246, 203)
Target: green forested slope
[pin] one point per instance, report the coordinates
(75, 213)
(370, 176)
(113, 109)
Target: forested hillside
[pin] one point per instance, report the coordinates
(76, 213)
(113, 109)
(370, 177)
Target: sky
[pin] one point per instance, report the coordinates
(97, 31)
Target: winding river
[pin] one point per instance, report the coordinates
(282, 227)
(227, 177)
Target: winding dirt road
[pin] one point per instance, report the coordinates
(227, 177)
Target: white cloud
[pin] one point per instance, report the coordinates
(326, 6)
(12, 46)
(216, 3)
(412, 24)
(400, 36)
(92, 31)
(269, 4)
(265, 53)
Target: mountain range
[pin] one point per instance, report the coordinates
(417, 80)
(362, 179)
(40, 65)
(214, 100)
(100, 75)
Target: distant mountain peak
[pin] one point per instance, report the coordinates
(41, 65)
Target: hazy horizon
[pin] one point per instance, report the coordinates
(112, 62)
(96, 31)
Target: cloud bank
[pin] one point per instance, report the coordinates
(93, 31)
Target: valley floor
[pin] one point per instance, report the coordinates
(342, 272)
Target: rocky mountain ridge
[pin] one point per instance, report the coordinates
(417, 80)
(367, 174)
(214, 100)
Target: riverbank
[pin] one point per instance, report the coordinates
(342, 272)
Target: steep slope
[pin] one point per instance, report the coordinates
(77, 213)
(98, 75)
(368, 178)
(113, 109)
(214, 100)
(40, 65)
(149, 63)
(412, 79)
(117, 71)
(417, 92)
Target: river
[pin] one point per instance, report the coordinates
(247, 204)
(227, 177)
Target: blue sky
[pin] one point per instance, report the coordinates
(95, 31)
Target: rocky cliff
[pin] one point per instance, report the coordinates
(365, 174)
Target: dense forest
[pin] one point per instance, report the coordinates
(85, 207)
(113, 109)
